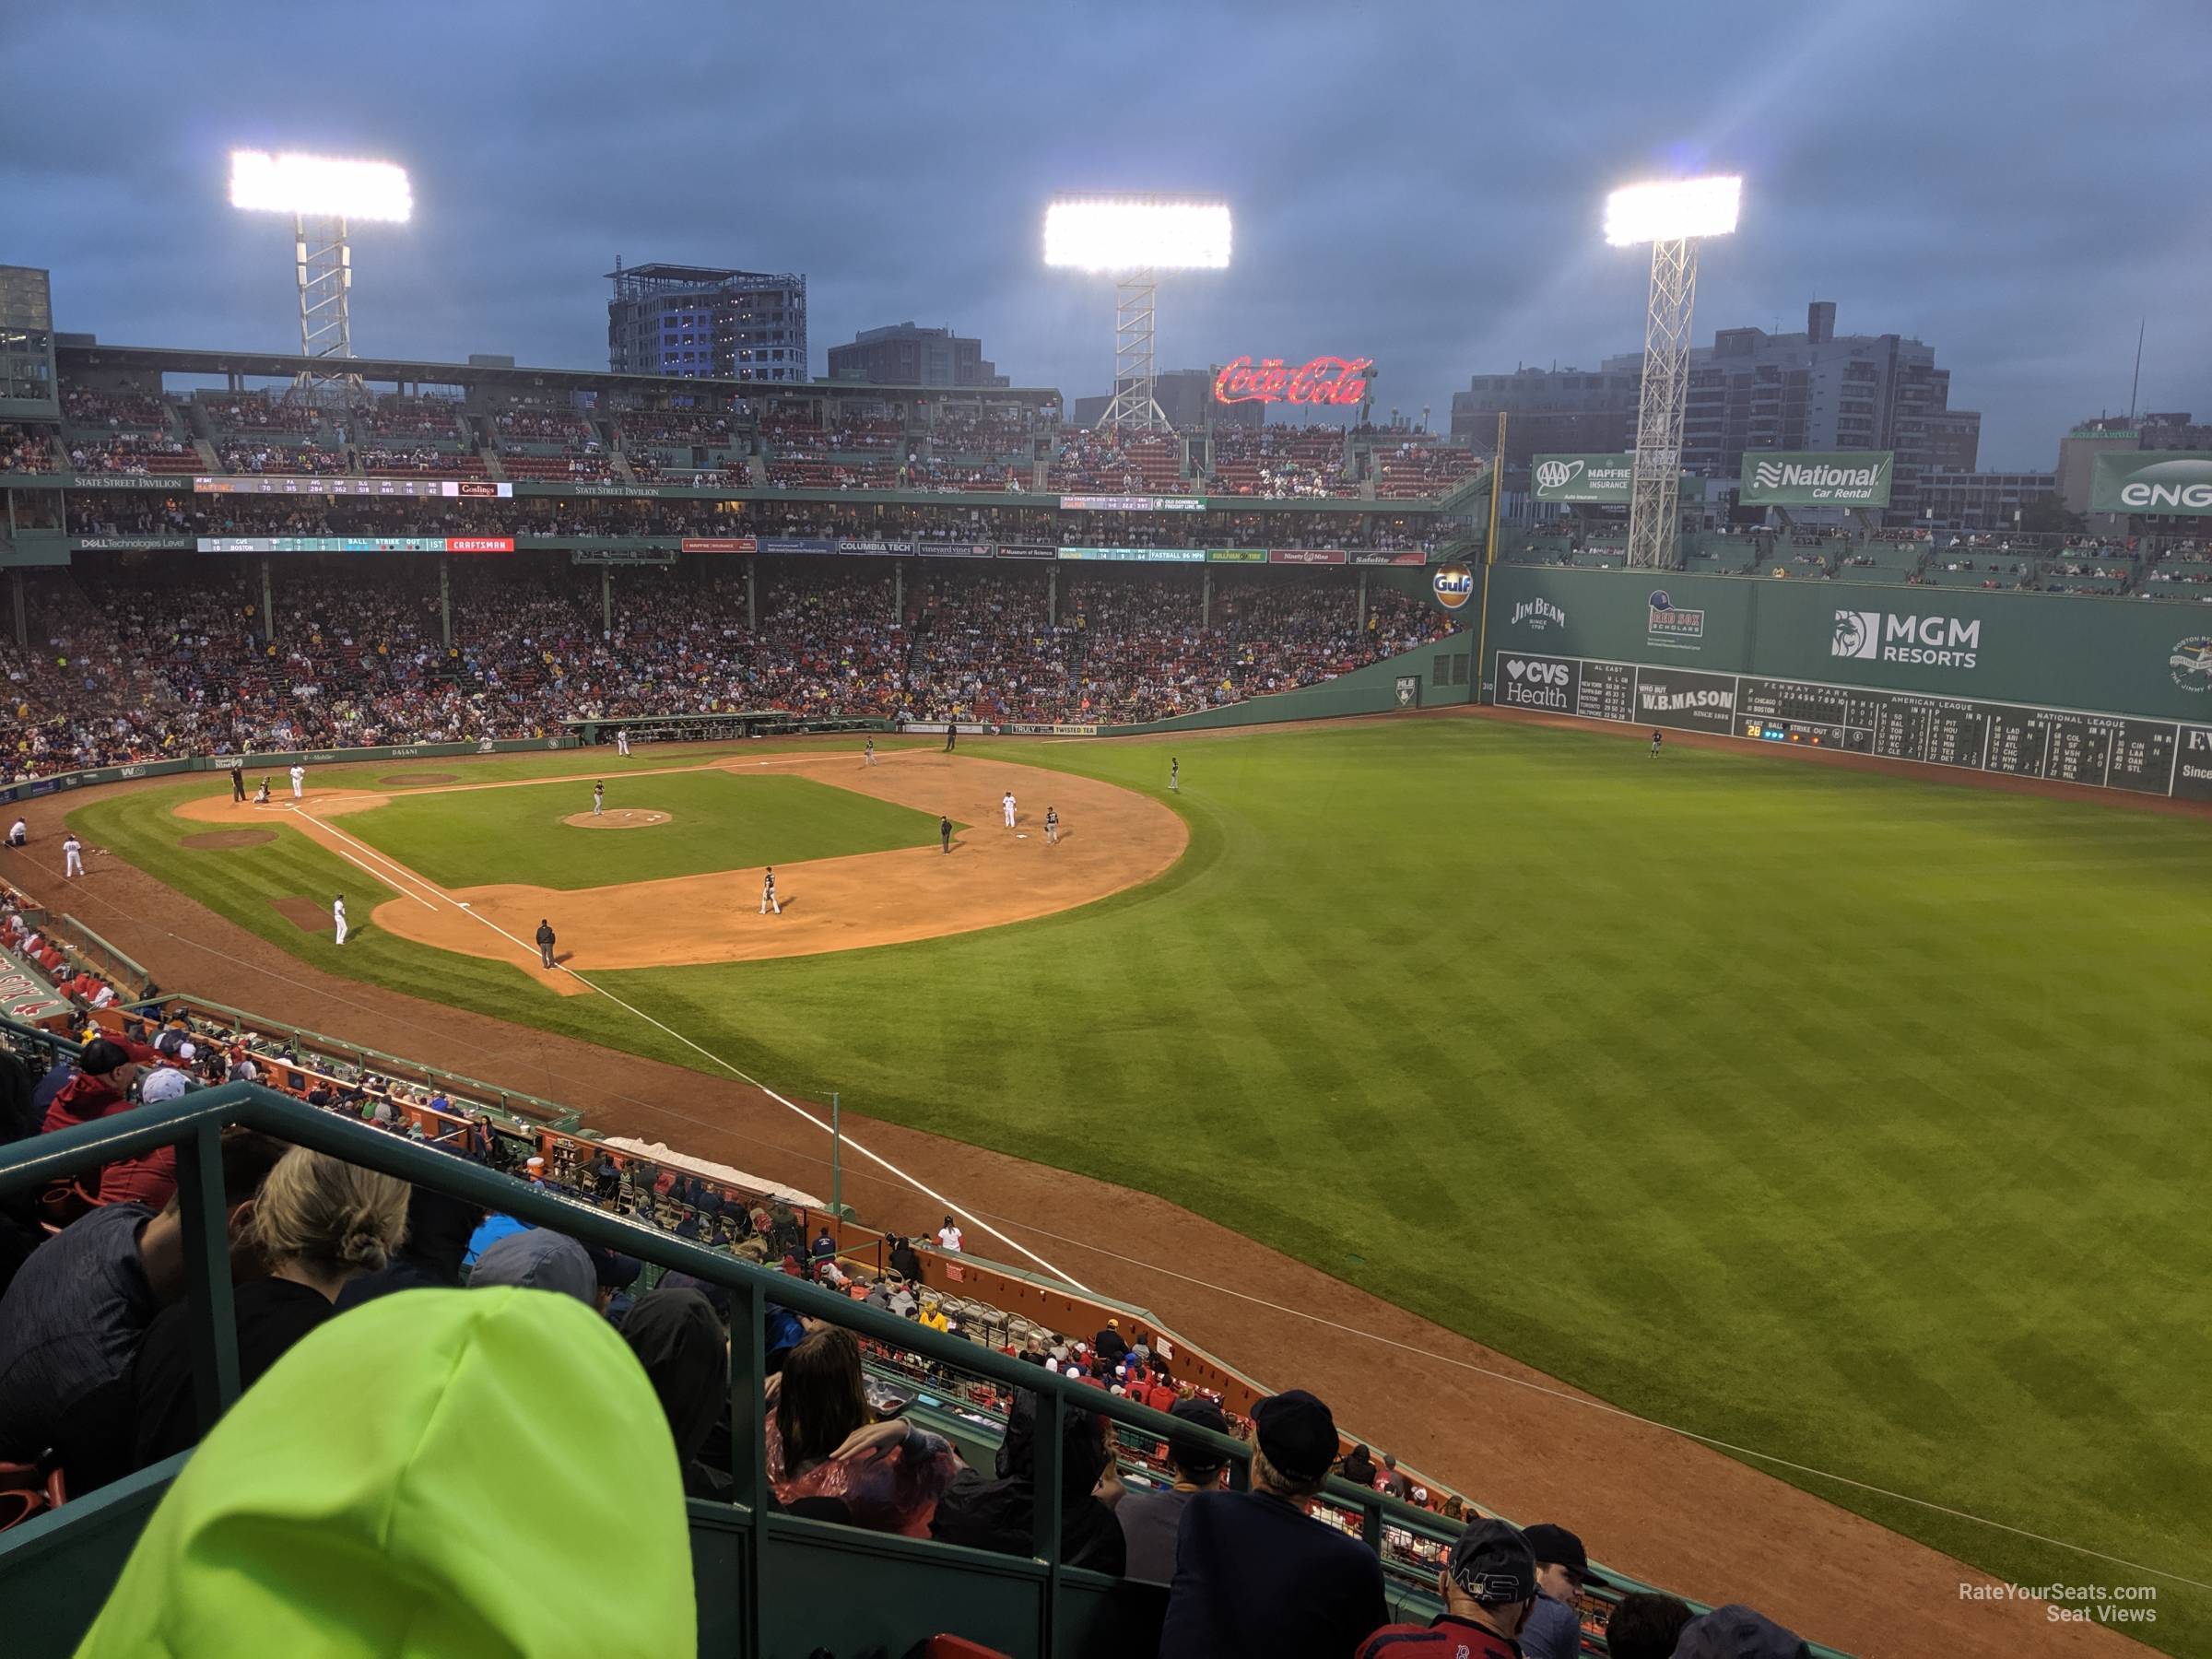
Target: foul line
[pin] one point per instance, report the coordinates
(1495, 1375)
(820, 1123)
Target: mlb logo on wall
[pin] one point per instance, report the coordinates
(1454, 586)
(1858, 634)
(1669, 625)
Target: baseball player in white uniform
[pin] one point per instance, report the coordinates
(261, 795)
(1006, 804)
(18, 835)
(73, 855)
(622, 742)
(768, 893)
(298, 780)
(338, 917)
(598, 800)
(870, 752)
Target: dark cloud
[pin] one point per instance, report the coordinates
(1419, 181)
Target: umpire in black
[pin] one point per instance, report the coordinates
(238, 781)
(545, 941)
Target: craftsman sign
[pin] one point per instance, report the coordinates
(1325, 380)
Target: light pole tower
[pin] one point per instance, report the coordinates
(1136, 238)
(1673, 217)
(322, 196)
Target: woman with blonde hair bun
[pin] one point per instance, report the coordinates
(317, 1222)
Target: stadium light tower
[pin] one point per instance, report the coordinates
(322, 195)
(1136, 238)
(1673, 216)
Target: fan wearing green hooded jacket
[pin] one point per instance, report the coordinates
(447, 1522)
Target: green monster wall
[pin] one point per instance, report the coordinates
(2122, 656)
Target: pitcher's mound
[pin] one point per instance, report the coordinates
(219, 841)
(619, 818)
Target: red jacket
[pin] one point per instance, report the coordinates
(1443, 1636)
(148, 1178)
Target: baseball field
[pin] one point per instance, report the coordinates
(1855, 1121)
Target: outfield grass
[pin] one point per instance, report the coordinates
(718, 820)
(1851, 1118)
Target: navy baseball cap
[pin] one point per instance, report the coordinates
(1492, 1562)
(1297, 1432)
(1561, 1549)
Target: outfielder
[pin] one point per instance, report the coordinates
(73, 855)
(1051, 826)
(1174, 775)
(598, 800)
(1006, 804)
(299, 779)
(768, 893)
(622, 742)
(338, 917)
(1654, 746)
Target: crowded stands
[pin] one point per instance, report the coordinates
(149, 658)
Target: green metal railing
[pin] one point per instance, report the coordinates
(194, 1124)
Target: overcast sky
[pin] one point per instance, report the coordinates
(2018, 183)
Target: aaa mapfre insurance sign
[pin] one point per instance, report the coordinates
(1325, 380)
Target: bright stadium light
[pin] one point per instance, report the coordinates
(317, 185)
(321, 193)
(1672, 209)
(1134, 237)
(1136, 233)
(1672, 215)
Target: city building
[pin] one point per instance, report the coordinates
(2077, 452)
(1748, 390)
(1550, 412)
(1185, 397)
(903, 355)
(704, 321)
(1983, 501)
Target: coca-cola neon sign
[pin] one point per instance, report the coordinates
(1325, 380)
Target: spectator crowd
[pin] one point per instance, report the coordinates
(141, 658)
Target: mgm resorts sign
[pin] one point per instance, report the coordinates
(1884, 637)
(1816, 478)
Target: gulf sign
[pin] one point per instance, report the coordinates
(1453, 585)
(1323, 380)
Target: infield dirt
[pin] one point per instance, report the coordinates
(1111, 839)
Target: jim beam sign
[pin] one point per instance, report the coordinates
(1816, 478)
